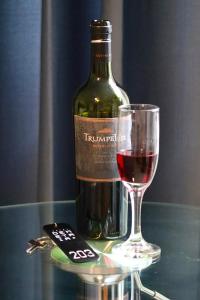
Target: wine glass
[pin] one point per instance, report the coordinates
(137, 157)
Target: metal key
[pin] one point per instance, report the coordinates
(39, 243)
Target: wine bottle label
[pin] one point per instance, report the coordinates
(95, 147)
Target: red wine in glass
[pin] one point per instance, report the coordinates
(136, 167)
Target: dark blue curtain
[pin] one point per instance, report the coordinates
(44, 58)
(19, 99)
(162, 66)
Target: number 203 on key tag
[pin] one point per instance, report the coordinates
(70, 242)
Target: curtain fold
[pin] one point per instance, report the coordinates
(45, 157)
(113, 11)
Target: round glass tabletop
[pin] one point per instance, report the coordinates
(175, 228)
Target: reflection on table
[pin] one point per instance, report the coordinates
(109, 277)
(130, 288)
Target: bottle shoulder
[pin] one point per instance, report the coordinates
(102, 87)
(97, 97)
(124, 95)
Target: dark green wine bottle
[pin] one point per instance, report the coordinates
(102, 201)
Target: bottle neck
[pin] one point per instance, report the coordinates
(101, 60)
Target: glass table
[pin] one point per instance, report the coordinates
(175, 228)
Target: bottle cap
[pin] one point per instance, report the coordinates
(101, 30)
(101, 26)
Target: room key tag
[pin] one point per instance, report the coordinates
(70, 242)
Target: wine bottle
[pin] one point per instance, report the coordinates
(102, 201)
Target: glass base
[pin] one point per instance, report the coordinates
(137, 251)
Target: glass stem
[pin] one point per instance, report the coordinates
(136, 203)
